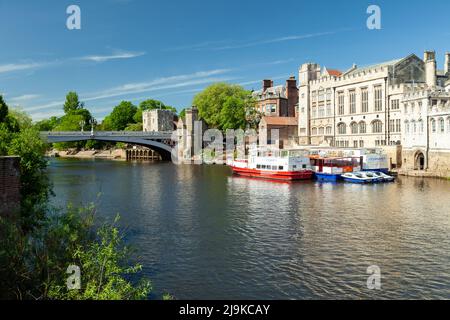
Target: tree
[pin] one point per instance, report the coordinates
(3, 109)
(72, 102)
(150, 104)
(122, 115)
(224, 106)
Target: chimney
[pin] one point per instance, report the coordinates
(267, 84)
(430, 68)
(292, 95)
(447, 63)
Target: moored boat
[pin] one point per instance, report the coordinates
(332, 168)
(360, 177)
(288, 165)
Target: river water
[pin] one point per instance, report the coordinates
(202, 233)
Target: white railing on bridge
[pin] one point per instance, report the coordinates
(149, 134)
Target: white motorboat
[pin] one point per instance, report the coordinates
(360, 177)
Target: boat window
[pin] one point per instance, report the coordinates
(304, 166)
(280, 168)
(263, 166)
(258, 166)
(294, 166)
(274, 167)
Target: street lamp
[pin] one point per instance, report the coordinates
(93, 122)
(82, 123)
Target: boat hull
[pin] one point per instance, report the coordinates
(273, 175)
(327, 177)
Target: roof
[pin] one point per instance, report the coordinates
(281, 121)
(374, 66)
(334, 72)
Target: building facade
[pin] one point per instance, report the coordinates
(360, 107)
(157, 120)
(278, 101)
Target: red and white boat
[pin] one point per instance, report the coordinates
(275, 164)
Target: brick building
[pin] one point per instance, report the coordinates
(9, 185)
(278, 101)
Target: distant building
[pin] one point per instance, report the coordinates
(287, 131)
(279, 101)
(158, 120)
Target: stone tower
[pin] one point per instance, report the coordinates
(430, 68)
(308, 72)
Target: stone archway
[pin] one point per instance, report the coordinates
(419, 161)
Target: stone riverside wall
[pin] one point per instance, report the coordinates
(9, 185)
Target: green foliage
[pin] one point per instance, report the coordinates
(3, 109)
(72, 103)
(35, 186)
(47, 124)
(33, 265)
(122, 115)
(224, 106)
(134, 127)
(38, 244)
(183, 113)
(22, 119)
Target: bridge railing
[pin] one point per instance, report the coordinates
(149, 134)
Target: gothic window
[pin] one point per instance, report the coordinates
(364, 100)
(314, 131)
(420, 125)
(352, 97)
(362, 127)
(329, 130)
(378, 98)
(340, 103)
(377, 126)
(441, 125)
(342, 128)
(321, 131)
(406, 126)
(354, 127)
(413, 126)
(433, 125)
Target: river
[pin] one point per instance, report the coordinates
(202, 233)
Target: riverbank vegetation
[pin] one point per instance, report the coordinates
(39, 243)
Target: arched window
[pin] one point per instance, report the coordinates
(420, 125)
(362, 127)
(354, 127)
(377, 126)
(441, 125)
(406, 126)
(329, 130)
(342, 128)
(314, 131)
(321, 131)
(433, 125)
(413, 126)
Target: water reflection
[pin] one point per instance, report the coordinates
(203, 233)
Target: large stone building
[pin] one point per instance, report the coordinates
(426, 129)
(374, 106)
(359, 108)
(157, 120)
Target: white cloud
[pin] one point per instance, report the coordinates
(24, 98)
(103, 58)
(19, 67)
(178, 81)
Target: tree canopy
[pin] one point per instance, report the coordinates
(72, 102)
(224, 106)
(122, 115)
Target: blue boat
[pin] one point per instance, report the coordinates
(360, 177)
(331, 168)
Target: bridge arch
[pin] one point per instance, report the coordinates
(156, 143)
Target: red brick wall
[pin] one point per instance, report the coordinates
(9, 185)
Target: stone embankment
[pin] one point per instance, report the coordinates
(118, 154)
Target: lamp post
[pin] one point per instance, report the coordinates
(93, 122)
(82, 123)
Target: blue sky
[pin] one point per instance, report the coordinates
(170, 50)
